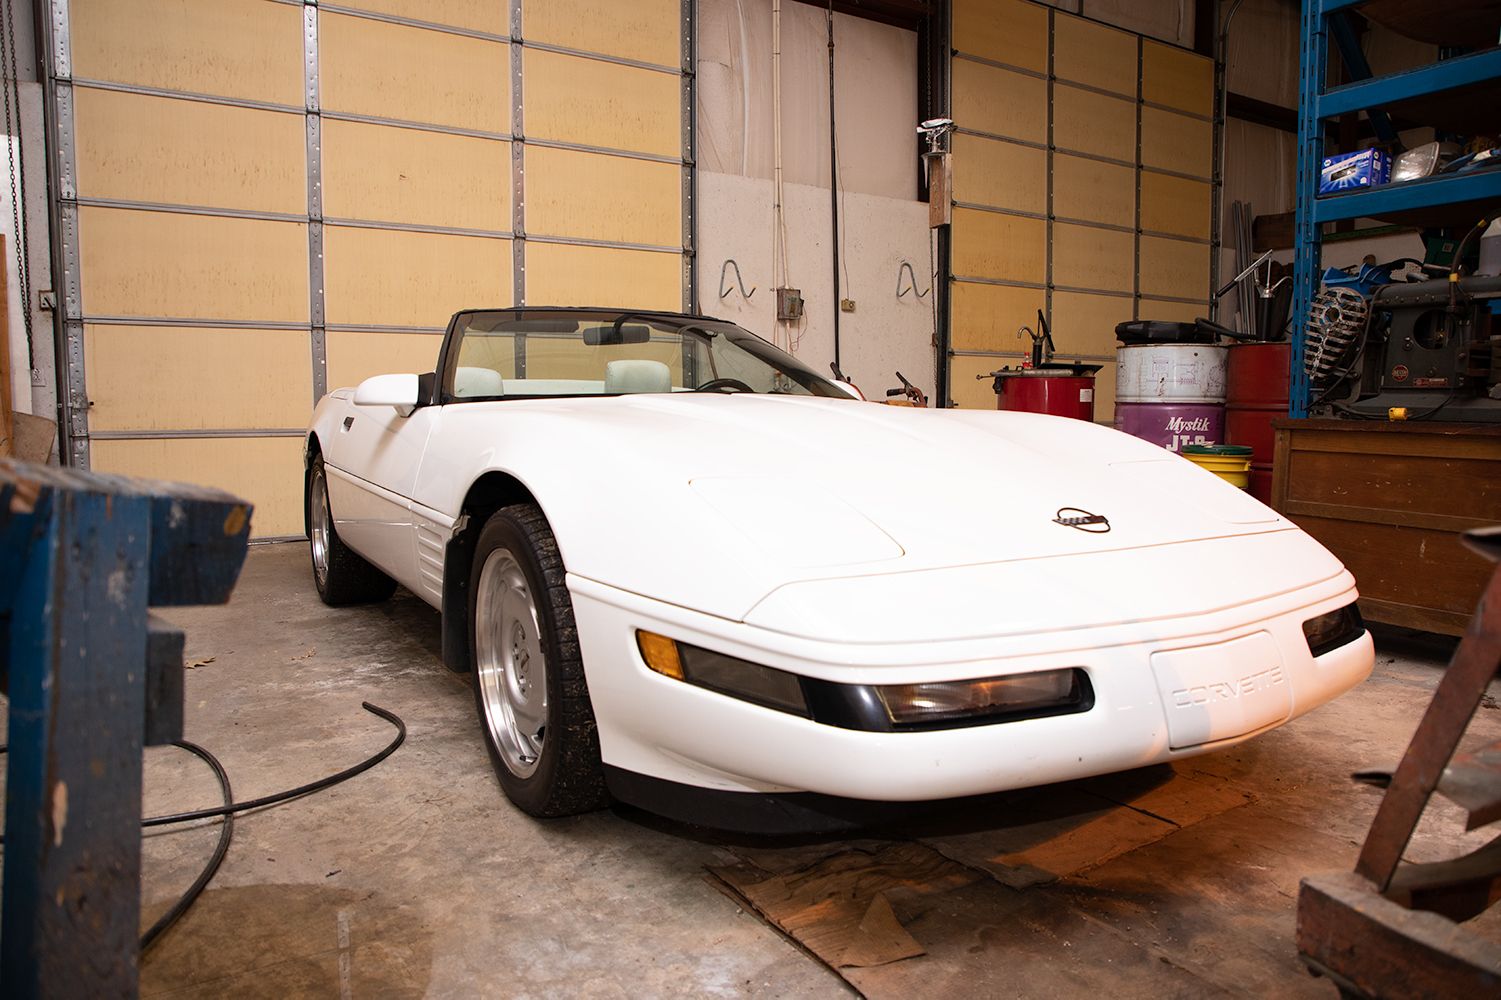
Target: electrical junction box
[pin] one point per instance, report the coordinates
(789, 304)
(847, 305)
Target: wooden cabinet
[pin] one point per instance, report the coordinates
(1390, 499)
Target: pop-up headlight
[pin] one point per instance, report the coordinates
(956, 701)
(1333, 629)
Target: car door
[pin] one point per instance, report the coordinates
(373, 462)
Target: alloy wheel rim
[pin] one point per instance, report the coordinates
(320, 528)
(512, 671)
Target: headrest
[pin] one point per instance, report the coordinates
(477, 382)
(637, 376)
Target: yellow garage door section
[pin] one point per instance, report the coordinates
(383, 173)
(266, 471)
(648, 31)
(196, 378)
(247, 49)
(1081, 185)
(355, 355)
(213, 154)
(398, 71)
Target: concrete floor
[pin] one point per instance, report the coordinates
(418, 878)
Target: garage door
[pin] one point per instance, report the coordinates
(1082, 165)
(260, 200)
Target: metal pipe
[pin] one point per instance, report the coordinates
(1217, 193)
(834, 181)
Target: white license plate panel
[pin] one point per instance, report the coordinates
(1222, 690)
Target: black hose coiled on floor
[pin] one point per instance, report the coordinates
(230, 807)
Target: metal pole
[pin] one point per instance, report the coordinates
(834, 183)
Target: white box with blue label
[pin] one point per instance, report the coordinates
(1351, 171)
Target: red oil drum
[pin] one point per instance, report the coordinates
(1258, 383)
(1041, 390)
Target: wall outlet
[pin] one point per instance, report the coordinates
(847, 305)
(789, 304)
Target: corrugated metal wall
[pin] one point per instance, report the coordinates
(1082, 166)
(261, 200)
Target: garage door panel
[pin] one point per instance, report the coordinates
(1005, 247)
(389, 174)
(598, 197)
(1008, 31)
(490, 16)
(644, 30)
(1093, 190)
(1175, 205)
(396, 71)
(231, 48)
(595, 103)
(1173, 268)
(1170, 141)
(354, 356)
(1094, 123)
(563, 275)
(998, 101)
(1177, 78)
(1000, 174)
(1094, 54)
(154, 149)
(265, 471)
(196, 378)
(1172, 312)
(384, 277)
(1085, 324)
(137, 263)
(1085, 257)
(987, 317)
(968, 389)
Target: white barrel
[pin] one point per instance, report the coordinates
(1176, 373)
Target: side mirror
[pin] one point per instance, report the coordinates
(400, 391)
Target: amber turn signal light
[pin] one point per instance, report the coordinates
(661, 654)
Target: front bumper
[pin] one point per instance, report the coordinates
(655, 726)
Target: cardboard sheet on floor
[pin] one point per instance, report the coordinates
(1068, 829)
(840, 907)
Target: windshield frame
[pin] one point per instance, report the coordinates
(705, 328)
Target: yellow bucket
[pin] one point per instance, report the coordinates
(1231, 462)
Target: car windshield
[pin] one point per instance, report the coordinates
(507, 354)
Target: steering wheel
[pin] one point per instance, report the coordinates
(715, 384)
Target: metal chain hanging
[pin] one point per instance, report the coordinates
(16, 156)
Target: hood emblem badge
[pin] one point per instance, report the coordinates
(1073, 517)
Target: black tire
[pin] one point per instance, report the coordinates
(567, 777)
(347, 577)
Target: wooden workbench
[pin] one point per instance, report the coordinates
(1390, 499)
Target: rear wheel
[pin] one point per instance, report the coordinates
(528, 672)
(341, 575)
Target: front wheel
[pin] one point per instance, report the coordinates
(341, 575)
(529, 674)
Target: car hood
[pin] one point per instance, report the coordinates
(715, 501)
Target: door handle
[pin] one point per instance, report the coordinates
(348, 422)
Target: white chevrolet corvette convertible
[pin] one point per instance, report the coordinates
(690, 573)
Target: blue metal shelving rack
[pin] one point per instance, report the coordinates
(1447, 196)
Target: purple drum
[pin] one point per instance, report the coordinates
(1172, 425)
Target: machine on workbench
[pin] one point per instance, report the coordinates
(1414, 350)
